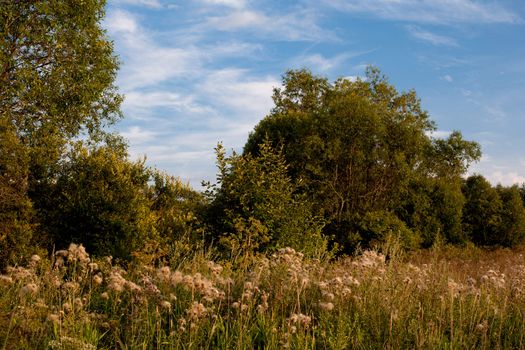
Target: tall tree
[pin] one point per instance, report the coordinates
(57, 72)
(356, 147)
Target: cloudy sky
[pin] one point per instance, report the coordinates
(198, 72)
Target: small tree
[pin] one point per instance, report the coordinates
(512, 227)
(254, 206)
(99, 200)
(482, 212)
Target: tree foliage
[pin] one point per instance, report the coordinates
(358, 147)
(255, 208)
(99, 200)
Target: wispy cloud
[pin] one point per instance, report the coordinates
(229, 3)
(236, 90)
(178, 101)
(300, 25)
(147, 3)
(429, 37)
(430, 11)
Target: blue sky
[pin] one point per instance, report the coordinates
(198, 72)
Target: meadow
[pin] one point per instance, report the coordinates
(441, 298)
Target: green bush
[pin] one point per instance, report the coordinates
(254, 206)
(99, 200)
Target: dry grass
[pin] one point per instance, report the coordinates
(442, 298)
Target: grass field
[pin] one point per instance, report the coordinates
(442, 298)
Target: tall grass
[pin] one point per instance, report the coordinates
(444, 298)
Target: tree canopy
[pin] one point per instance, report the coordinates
(357, 146)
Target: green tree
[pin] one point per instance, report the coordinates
(57, 70)
(100, 200)
(254, 206)
(512, 227)
(15, 207)
(482, 212)
(432, 207)
(177, 212)
(356, 147)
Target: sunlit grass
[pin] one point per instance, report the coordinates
(440, 298)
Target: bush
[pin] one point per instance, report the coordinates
(254, 206)
(99, 200)
(16, 212)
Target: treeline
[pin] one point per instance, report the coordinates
(334, 166)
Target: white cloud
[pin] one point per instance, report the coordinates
(297, 26)
(318, 62)
(120, 21)
(147, 3)
(229, 3)
(235, 89)
(429, 37)
(138, 101)
(448, 78)
(137, 135)
(430, 11)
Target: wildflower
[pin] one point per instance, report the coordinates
(77, 253)
(53, 318)
(176, 278)
(329, 296)
(301, 320)
(5, 281)
(70, 343)
(116, 282)
(196, 311)
(29, 289)
(78, 303)
(71, 286)
(263, 306)
(173, 297)
(19, 273)
(104, 296)
(35, 259)
(182, 324)
(164, 273)
(214, 268)
(326, 306)
(93, 266)
(67, 307)
(151, 288)
(165, 304)
(97, 280)
(482, 327)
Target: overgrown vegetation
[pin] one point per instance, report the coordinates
(438, 299)
(285, 249)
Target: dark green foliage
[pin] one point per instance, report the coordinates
(57, 70)
(176, 209)
(493, 216)
(481, 214)
(512, 226)
(256, 207)
(99, 200)
(432, 207)
(360, 147)
(15, 207)
(375, 227)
